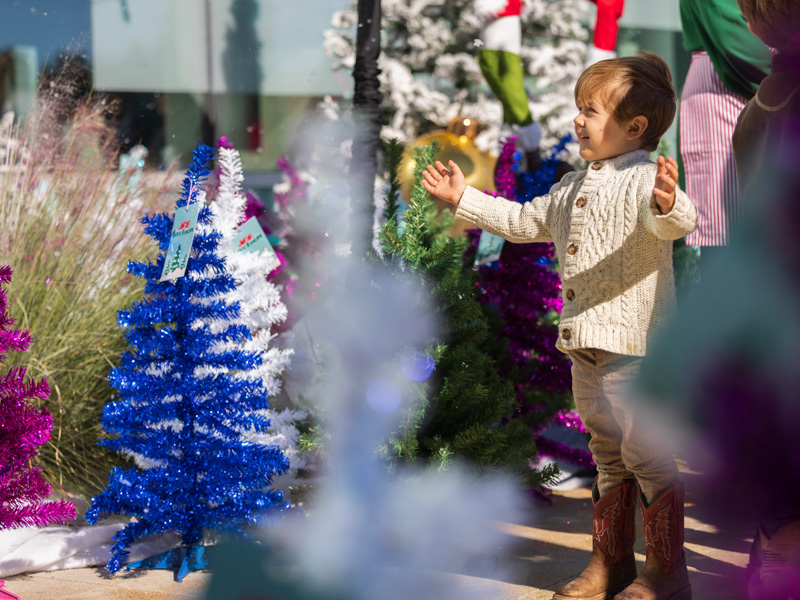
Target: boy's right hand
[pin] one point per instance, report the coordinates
(447, 185)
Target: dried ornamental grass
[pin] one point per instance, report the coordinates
(69, 223)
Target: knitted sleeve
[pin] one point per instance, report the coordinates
(520, 223)
(677, 223)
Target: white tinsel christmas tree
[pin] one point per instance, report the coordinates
(430, 72)
(260, 308)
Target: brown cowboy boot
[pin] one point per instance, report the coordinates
(777, 574)
(664, 576)
(611, 566)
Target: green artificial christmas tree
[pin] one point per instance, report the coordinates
(465, 410)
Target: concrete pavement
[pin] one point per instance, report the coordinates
(550, 547)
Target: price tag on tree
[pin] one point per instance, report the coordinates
(251, 238)
(180, 243)
(490, 247)
(402, 208)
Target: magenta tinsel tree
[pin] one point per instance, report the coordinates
(287, 202)
(525, 290)
(23, 428)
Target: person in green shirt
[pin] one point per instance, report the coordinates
(740, 59)
(728, 63)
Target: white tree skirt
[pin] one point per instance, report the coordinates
(60, 547)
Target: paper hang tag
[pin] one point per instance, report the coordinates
(490, 247)
(180, 243)
(251, 238)
(400, 214)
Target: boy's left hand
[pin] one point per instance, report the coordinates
(666, 180)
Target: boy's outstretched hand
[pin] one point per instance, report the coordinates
(666, 180)
(447, 185)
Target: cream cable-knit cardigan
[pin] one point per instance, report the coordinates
(614, 248)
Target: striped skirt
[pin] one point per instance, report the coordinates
(708, 115)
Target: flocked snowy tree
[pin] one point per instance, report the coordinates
(181, 407)
(260, 310)
(430, 73)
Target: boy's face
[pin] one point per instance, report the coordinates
(599, 135)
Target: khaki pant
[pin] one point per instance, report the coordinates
(624, 443)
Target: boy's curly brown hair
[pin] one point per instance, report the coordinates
(630, 86)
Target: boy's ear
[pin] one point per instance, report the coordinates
(636, 127)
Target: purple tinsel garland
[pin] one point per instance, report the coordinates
(564, 453)
(298, 187)
(23, 428)
(525, 290)
(570, 420)
(508, 162)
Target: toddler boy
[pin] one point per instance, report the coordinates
(613, 225)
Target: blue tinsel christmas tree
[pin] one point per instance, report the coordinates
(181, 406)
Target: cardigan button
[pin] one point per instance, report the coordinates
(566, 334)
(580, 202)
(597, 165)
(572, 249)
(570, 294)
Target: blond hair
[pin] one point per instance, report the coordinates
(630, 86)
(776, 21)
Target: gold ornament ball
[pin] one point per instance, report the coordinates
(478, 167)
(458, 146)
